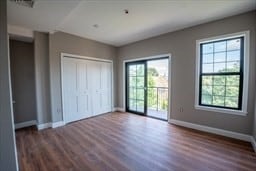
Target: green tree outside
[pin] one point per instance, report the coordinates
(221, 90)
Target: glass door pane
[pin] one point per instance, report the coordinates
(157, 88)
(136, 87)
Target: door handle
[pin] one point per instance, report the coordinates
(13, 102)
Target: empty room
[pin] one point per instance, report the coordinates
(134, 85)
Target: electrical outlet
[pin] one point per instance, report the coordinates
(58, 110)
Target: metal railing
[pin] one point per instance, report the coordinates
(158, 98)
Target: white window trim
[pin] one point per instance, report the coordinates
(243, 112)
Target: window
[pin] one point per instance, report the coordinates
(221, 75)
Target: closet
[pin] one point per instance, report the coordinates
(86, 88)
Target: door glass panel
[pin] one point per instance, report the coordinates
(157, 88)
(135, 87)
(140, 82)
(147, 85)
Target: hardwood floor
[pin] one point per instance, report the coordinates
(120, 141)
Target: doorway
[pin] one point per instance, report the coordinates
(147, 87)
(23, 82)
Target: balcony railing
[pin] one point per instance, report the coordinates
(158, 98)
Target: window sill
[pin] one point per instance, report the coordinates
(227, 111)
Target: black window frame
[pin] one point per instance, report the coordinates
(240, 73)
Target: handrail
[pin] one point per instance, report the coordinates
(161, 98)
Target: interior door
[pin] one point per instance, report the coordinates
(136, 99)
(84, 101)
(70, 90)
(106, 87)
(77, 102)
(101, 82)
(95, 86)
(87, 88)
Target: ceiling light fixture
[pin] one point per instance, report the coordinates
(126, 11)
(95, 25)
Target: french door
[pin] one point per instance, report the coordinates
(147, 87)
(136, 83)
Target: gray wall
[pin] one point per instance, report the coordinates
(41, 50)
(182, 45)
(8, 157)
(254, 124)
(23, 80)
(63, 42)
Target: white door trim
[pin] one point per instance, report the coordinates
(67, 55)
(169, 79)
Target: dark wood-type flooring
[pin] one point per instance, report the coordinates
(121, 141)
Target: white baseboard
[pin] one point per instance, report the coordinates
(50, 125)
(217, 131)
(44, 126)
(119, 109)
(57, 124)
(253, 141)
(25, 124)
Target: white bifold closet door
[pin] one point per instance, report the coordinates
(87, 88)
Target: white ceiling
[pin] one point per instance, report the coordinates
(146, 18)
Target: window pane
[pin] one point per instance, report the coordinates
(233, 55)
(132, 93)
(207, 100)
(219, 90)
(219, 80)
(140, 94)
(207, 90)
(140, 81)
(219, 67)
(140, 70)
(218, 100)
(132, 104)
(220, 46)
(207, 48)
(220, 75)
(132, 81)
(132, 70)
(233, 44)
(208, 58)
(231, 102)
(233, 80)
(207, 80)
(220, 57)
(232, 91)
(233, 66)
(207, 68)
(140, 105)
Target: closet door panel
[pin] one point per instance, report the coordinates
(84, 103)
(96, 87)
(70, 90)
(106, 84)
(87, 88)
